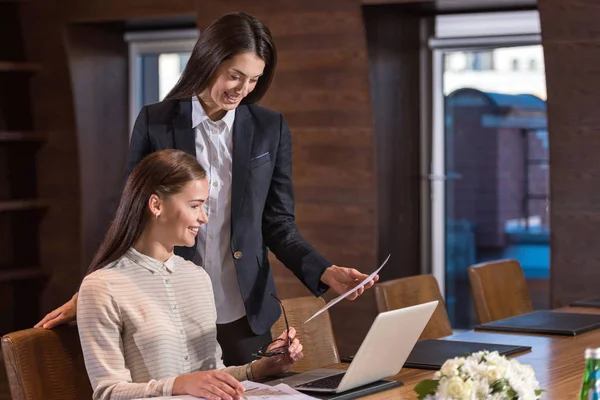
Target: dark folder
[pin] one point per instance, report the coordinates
(587, 303)
(431, 353)
(360, 391)
(546, 322)
(365, 390)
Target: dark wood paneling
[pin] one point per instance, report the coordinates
(121, 10)
(39, 197)
(571, 40)
(15, 114)
(575, 81)
(98, 60)
(322, 88)
(452, 6)
(394, 46)
(57, 159)
(569, 22)
(272, 9)
(10, 27)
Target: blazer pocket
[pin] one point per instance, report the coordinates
(259, 160)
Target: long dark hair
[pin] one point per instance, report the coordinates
(163, 173)
(228, 36)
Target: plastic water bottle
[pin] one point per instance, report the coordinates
(590, 388)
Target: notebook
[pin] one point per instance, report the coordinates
(431, 353)
(546, 322)
(586, 303)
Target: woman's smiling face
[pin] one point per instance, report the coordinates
(233, 80)
(182, 214)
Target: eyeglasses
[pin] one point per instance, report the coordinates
(283, 344)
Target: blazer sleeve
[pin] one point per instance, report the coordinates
(280, 233)
(140, 146)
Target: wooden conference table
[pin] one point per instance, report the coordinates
(557, 360)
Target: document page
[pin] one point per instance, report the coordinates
(348, 293)
(256, 391)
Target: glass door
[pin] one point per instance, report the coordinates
(490, 171)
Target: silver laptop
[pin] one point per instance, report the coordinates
(381, 355)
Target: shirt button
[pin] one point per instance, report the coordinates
(215, 183)
(167, 281)
(181, 332)
(237, 255)
(208, 263)
(174, 306)
(186, 358)
(211, 236)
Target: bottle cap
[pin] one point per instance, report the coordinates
(592, 353)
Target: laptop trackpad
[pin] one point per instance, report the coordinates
(300, 379)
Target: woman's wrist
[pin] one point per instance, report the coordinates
(179, 386)
(249, 373)
(257, 369)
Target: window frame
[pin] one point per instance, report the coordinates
(156, 42)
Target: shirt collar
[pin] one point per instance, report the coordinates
(150, 263)
(199, 115)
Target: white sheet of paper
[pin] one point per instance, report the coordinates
(256, 391)
(294, 394)
(281, 391)
(349, 292)
(175, 398)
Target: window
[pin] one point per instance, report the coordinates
(481, 60)
(156, 61)
(533, 65)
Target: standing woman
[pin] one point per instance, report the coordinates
(247, 153)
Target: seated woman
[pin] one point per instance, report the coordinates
(146, 317)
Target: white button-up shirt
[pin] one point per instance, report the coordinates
(214, 149)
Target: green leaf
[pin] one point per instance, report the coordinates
(539, 392)
(426, 388)
(500, 386)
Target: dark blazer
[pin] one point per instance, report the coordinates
(262, 198)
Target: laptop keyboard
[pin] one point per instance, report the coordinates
(330, 382)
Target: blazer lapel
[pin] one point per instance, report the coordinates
(183, 133)
(243, 132)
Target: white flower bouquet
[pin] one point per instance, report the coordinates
(479, 376)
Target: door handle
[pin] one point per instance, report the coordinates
(446, 177)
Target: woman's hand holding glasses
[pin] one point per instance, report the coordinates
(283, 352)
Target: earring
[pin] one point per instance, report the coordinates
(156, 215)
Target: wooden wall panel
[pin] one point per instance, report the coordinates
(322, 87)
(394, 58)
(121, 10)
(98, 60)
(57, 160)
(571, 39)
(435, 6)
